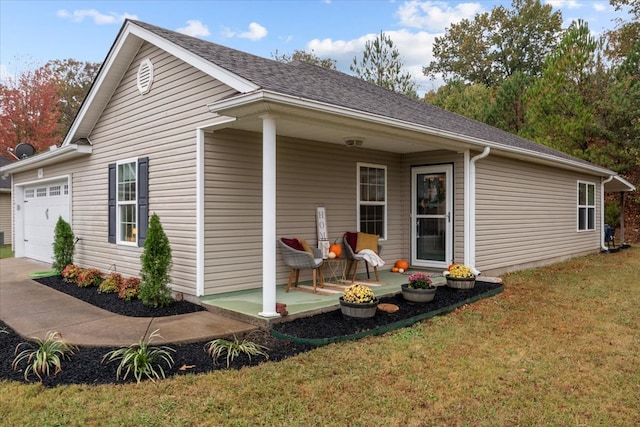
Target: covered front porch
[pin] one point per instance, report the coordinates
(302, 302)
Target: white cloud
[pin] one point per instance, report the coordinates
(415, 51)
(256, 32)
(600, 7)
(98, 17)
(5, 76)
(194, 28)
(435, 15)
(564, 4)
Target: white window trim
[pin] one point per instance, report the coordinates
(359, 203)
(133, 160)
(587, 206)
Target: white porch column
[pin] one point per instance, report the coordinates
(268, 217)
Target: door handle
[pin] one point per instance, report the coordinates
(448, 216)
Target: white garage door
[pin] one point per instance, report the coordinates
(43, 205)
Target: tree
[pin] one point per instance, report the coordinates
(509, 108)
(304, 56)
(74, 79)
(381, 65)
(563, 102)
(29, 111)
(63, 245)
(469, 100)
(156, 262)
(495, 46)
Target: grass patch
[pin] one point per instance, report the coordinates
(6, 252)
(560, 346)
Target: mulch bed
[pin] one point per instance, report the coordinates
(86, 367)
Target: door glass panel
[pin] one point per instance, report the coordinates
(431, 239)
(432, 194)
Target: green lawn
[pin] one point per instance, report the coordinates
(6, 252)
(559, 347)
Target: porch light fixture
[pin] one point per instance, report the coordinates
(353, 141)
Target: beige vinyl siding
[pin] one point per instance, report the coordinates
(429, 158)
(5, 216)
(308, 173)
(160, 125)
(526, 214)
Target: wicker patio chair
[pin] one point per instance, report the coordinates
(302, 260)
(354, 259)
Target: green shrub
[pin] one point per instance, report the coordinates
(156, 261)
(129, 288)
(89, 277)
(71, 273)
(141, 359)
(45, 355)
(233, 349)
(111, 283)
(63, 245)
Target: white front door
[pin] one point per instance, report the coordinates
(432, 214)
(43, 205)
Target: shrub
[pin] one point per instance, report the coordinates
(71, 274)
(233, 349)
(63, 245)
(89, 277)
(45, 355)
(141, 359)
(129, 288)
(111, 283)
(156, 261)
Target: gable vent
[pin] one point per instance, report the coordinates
(145, 76)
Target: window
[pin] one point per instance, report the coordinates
(586, 206)
(372, 199)
(128, 201)
(54, 190)
(29, 194)
(41, 192)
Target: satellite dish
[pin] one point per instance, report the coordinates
(24, 150)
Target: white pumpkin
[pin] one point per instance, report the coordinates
(331, 255)
(401, 270)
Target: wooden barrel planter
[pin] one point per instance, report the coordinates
(466, 283)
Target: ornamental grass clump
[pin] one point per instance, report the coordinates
(420, 280)
(233, 349)
(141, 359)
(43, 355)
(358, 294)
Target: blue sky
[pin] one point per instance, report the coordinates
(32, 32)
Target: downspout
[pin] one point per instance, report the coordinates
(603, 246)
(470, 207)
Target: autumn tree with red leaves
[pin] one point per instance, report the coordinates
(29, 111)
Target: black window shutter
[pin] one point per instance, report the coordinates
(143, 199)
(112, 204)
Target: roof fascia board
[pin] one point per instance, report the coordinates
(233, 80)
(54, 156)
(100, 81)
(269, 96)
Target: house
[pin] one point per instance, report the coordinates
(5, 206)
(233, 151)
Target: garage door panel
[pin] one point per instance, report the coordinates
(42, 208)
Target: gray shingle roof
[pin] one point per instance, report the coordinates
(315, 83)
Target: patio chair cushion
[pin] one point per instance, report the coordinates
(367, 241)
(352, 239)
(305, 246)
(293, 243)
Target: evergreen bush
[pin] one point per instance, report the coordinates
(156, 261)
(63, 245)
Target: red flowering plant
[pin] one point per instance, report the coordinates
(71, 273)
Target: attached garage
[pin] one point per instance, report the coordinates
(36, 217)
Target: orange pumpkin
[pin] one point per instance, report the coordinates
(402, 264)
(336, 249)
(395, 269)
